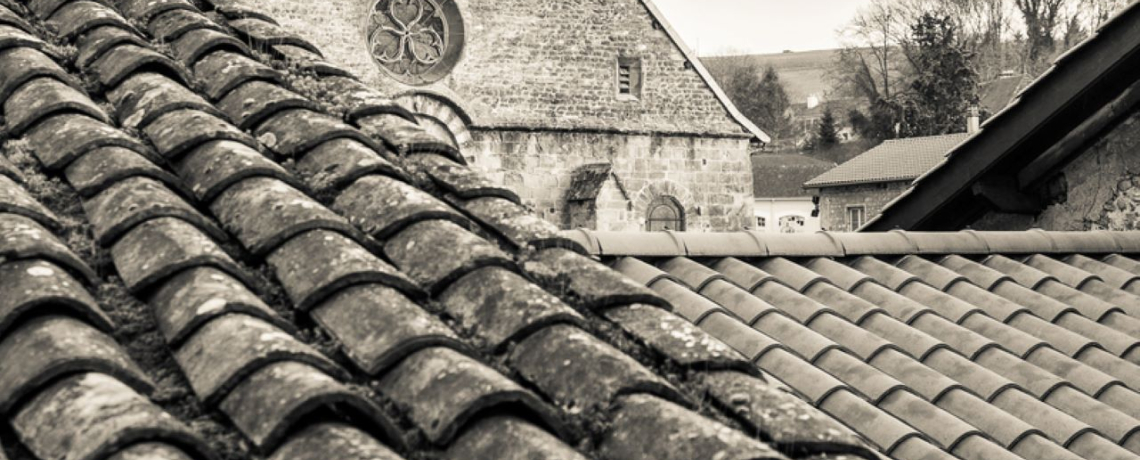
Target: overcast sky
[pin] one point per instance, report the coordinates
(758, 26)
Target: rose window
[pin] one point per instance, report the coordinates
(416, 41)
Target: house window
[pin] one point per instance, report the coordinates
(856, 216)
(761, 222)
(665, 213)
(792, 224)
(629, 78)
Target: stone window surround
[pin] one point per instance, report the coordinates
(636, 76)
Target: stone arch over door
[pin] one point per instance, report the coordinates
(440, 115)
(658, 191)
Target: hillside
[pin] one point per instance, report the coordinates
(803, 73)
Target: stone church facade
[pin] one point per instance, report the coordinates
(537, 93)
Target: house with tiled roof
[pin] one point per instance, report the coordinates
(858, 189)
(1061, 156)
(996, 94)
(968, 345)
(216, 244)
(783, 205)
(532, 91)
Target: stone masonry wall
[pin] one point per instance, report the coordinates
(537, 63)
(1098, 190)
(711, 178)
(833, 202)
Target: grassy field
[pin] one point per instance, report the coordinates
(803, 73)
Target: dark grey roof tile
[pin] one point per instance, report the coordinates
(254, 102)
(78, 17)
(407, 137)
(739, 272)
(90, 416)
(808, 343)
(228, 70)
(228, 349)
(119, 62)
(741, 303)
(160, 248)
(144, 97)
(49, 347)
(293, 133)
(9, 170)
(811, 382)
(382, 206)
(15, 200)
(145, 10)
(508, 438)
(1060, 427)
(900, 336)
(177, 133)
(792, 303)
(1001, 426)
(881, 428)
(944, 429)
(435, 253)
(135, 200)
(923, 380)
(649, 428)
(749, 342)
(1086, 378)
(377, 326)
(37, 286)
(692, 273)
(317, 264)
(332, 440)
(103, 167)
(21, 65)
(12, 37)
(497, 306)
(305, 60)
(41, 98)
(678, 339)
(336, 164)
(22, 239)
(518, 225)
(264, 33)
(263, 213)
(861, 342)
(581, 373)
(793, 425)
(62, 139)
(918, 448)
(983, 382)
(361, 100)
(150, 451)
(215, 166)
(10, 18)
(196, 296)
(871, 382)
(1042, 447)
(271, 402)
(1113, 424)
(587, 282)
(688, 304)
(44, 8)
(969, 343)
(94, 44)
(173, 24)
(458, 179)
(1091, 445)
(234, 9)
(445, 390)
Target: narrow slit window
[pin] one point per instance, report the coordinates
(629, 79)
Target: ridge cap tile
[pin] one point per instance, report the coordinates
(196, 296)
(103, 167)
(169, 26)
(77, 17)
(40, 98)
(230, 70)
(677, 339)
(22, 238)
(97, 42)
(159, 248)
(506, 438)
(135, 200)
(145, 96)
(216, 166)
(338, 163)
(124, 59)
(591, 284)
(435, 253)
(293, 132)
(322, 441)
(14, 199)
(19, 66)
(382, 206)
(62, 139)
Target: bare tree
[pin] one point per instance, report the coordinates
(1041, 19)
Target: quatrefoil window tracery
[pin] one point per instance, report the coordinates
(416, 41)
